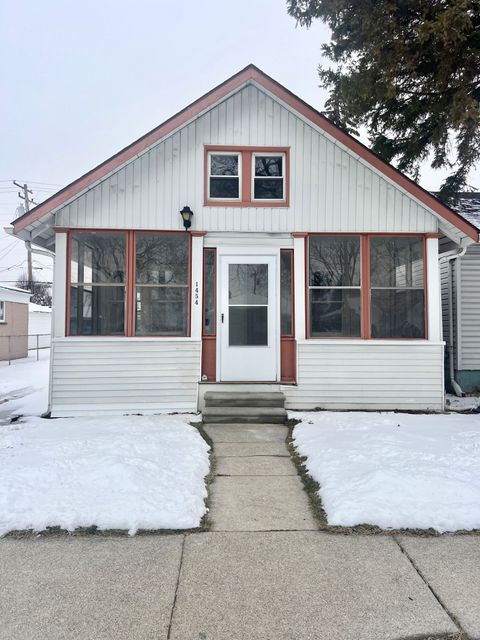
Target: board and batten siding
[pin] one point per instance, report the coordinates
(369, 375)
(103, 376)
(330, 188)
(469, 303)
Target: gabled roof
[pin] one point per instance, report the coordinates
(248, 74)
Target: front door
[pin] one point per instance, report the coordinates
(248, 331)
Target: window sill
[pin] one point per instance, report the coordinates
(374, 341)
(251, 204)
(131, 338)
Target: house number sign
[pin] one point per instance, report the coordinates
(196, 293)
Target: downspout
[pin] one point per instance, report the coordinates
(458, 254)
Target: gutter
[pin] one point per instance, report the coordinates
(450, 257)
(41, 252)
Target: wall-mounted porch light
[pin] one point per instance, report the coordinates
(186, 214)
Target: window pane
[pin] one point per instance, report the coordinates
(398, 314)
(224, 188)
(268, 165)
(334, 261)
(248, 283)
(162, 311)
(97, 311)
(248, 326)
(334, 313)
(286, 292)
(97, 257)
(224, 165)
(209, 293)
(396, 262)
(162, 258)
(268, 189)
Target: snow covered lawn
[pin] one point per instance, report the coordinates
(394, 470)
(132, 473)
(24, 386)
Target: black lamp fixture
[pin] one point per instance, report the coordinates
(186, 214)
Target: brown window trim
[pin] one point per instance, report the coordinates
(365, 288)
(130, 284)
(246, 182)
(209, 341)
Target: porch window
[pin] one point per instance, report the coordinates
(334, 286)
(286, 292)
(97, 283)
(397, 287)
(162, 284)
(268, 177)
(224, 176)
(209, 260)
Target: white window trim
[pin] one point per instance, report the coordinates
(225, 153)
(3, 312)
(282, 177)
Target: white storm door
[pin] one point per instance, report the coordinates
(247, 322)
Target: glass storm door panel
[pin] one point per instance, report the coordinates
(247, 318)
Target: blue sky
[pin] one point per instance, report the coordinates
(81, 80)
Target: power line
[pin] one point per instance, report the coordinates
(48, 184)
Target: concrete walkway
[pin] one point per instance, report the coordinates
(263, 573)
(256, 487)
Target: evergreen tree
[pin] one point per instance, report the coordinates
(409, 71)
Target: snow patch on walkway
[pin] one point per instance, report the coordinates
(394, 470)
(129, 473)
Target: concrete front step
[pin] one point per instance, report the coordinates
(244, 399)
(270, 415)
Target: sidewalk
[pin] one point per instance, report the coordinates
(261, 573)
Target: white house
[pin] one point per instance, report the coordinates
(460, 273)
(310, 265)
(39, 320)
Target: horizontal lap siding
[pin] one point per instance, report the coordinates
(470, 306)
(330, 189)
(369, 376)
(123, 376)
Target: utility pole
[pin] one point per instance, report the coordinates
(28, 200)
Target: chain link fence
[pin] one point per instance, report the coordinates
(22, 346)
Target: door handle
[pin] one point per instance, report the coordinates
(222, 318)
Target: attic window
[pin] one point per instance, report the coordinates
(268, 177)
(224, 176)
(246, 176)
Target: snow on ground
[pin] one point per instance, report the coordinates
(467, 403)
(394, 470)
(24, 386)
(132, 473)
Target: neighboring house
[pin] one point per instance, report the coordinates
(461, 305)
(39, 319)
(13, 322)
(39, 326)
(310, 266)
